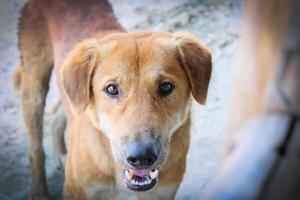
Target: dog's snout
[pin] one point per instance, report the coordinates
(141, 154)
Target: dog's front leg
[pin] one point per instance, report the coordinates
(34, 91)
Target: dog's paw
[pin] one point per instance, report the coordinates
(59, 160)
(39, 196)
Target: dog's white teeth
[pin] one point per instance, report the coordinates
(146, 181)
(128, 174)
(154, 174)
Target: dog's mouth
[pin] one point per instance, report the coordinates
(140, 179)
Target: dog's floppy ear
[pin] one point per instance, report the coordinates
(196, 61)
(77, 73)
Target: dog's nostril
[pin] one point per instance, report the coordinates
(149, 161)
(141, 154)
(144, 161)
(133, 161)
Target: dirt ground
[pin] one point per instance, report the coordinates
(216, 22)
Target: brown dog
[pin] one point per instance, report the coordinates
(126, 97)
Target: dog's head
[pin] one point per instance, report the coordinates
(136, 88)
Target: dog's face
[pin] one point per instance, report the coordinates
(136, 88)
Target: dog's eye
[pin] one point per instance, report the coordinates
(112, 90)
(165, 88)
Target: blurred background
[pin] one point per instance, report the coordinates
(216, 22)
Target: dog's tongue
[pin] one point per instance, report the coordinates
(140, 172)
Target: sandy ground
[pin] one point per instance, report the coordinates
(215, 21)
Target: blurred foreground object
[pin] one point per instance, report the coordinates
(261, 154)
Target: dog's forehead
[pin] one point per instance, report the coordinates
(141, 55)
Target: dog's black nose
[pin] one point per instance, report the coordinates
(141, 154)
